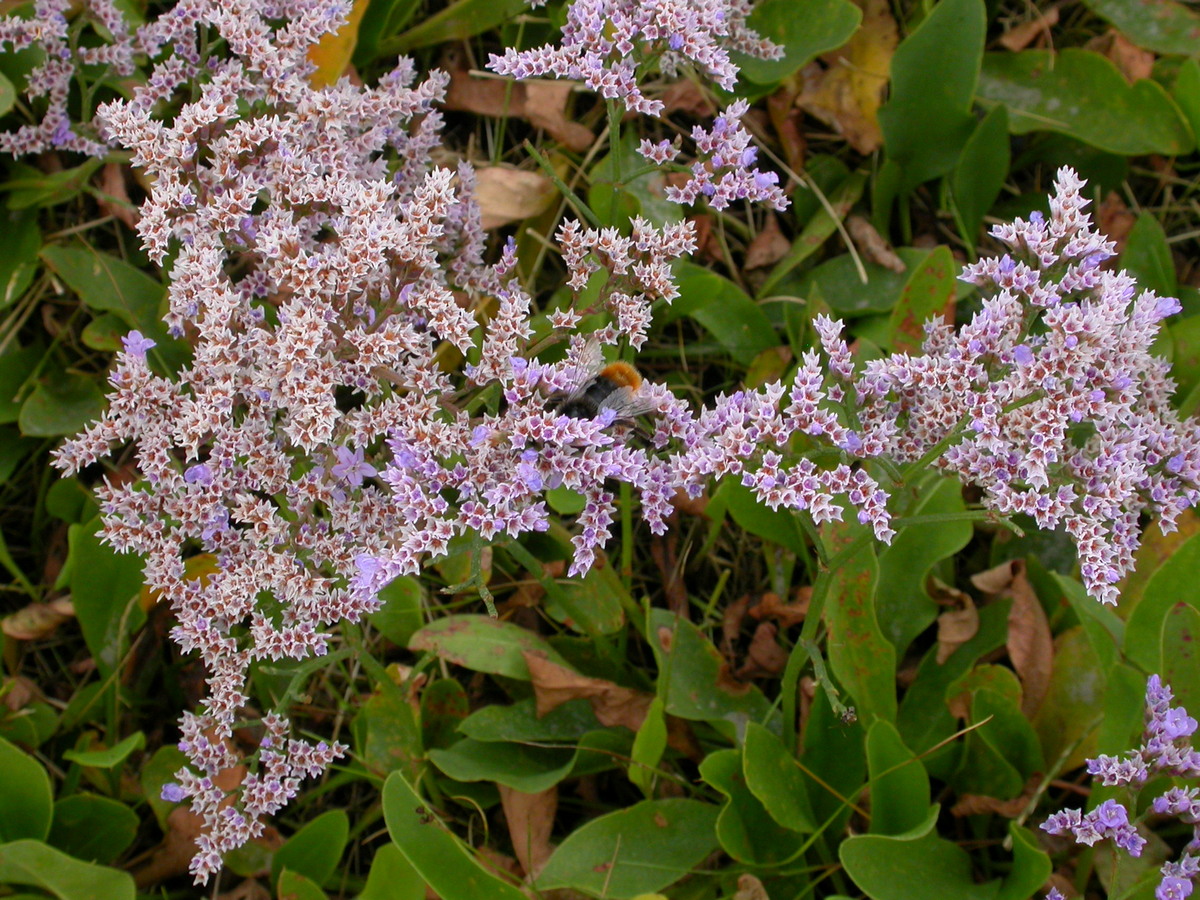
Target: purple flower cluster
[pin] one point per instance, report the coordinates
(723, 172)
(1166, 750)
(607, 44)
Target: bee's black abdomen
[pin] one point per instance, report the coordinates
(586, 405)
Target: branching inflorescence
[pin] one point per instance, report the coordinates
(319, 444)
(1166, 750)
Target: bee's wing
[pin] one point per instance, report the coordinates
(629, 403)
(587, 363)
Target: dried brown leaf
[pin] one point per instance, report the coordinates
(974, 804)
(764, 657)
(750, 888)
(768, 246)
(113, 199)
(542, 103)
(955, 626)
(1021, 36)
(770, 606)
(686, 97)
(508, 195)
(1114, 219)
(847, 91)
(530, 818)
(731, 623)
(554, 685)
(873, 246)
(1133, 62)
(37, 620)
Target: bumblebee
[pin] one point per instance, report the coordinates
(597, 386)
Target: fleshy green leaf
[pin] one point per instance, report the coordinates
(697, 682)
(745, 830)
(26, 803)
(109, 756)
(40, 865)
(861, 659)
(63, 404)
(736, 322)
(483, 644)
(392, 877)
(929, 291)
(399, 618)
(775, 779)
(104, 589)
(648, 747)
(633, 851)
(91, 827)
(315, 849)
(523, 767)
(927, 120)
(294, 886)
(825, 25)
(444, 861)
(916, 866)
(1163, 26)
(1081, 94)
(1147, 257)
(899, 784)
(980, 173)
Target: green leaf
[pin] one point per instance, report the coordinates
(902, 605)
(483, 644)
(775, 779)
(110, 756)
(825, 25)
(929, 291)
(390, 735)
(1081, 94)
(838, 283)
(777, 526)
(736, 322)
(107, 284)
(636, 850)
(1147, 257)
(444, 861)
(861, 659)
(648, 747)
(444, 706)
(19, 262)
(294, 886)
(694, 680)
(160, 770)
(916, 866)
(64, 404)
(315, 849)
(1066, 721)
(17, 365)
(460, 20)
(899, 783)
(392, 877)
(39, 865)
(91, 827)
(1187, 93)
(522, 767)
(977, 179)
(833, 752)
(520, 722)
(1030, 867)
(8, 95)
(399, 618)
(592, 605)
(26, 802)
(927, 119)
(104, 589)
(817, 229)
(1180, 667)
(1163, 26)
(745, 830)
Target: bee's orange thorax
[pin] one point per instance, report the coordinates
(622, 374)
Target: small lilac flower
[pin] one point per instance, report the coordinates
(136, 344)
